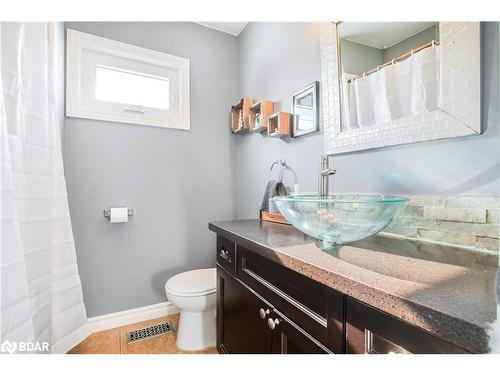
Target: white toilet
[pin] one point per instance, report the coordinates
(193, 292)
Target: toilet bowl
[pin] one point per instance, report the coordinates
(194, 293)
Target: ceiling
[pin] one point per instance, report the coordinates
(373, 34)
(381, 34)
(233, 28)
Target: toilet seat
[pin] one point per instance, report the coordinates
(193, 283)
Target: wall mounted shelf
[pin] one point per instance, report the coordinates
(259, 113)
(279, 124)
(240, 116)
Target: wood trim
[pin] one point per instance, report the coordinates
(273, 217)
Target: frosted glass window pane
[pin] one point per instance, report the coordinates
(118, 86)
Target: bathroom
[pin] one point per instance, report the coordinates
(216, 224)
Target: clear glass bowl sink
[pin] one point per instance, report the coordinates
(340, 219)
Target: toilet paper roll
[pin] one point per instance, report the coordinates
(118, 215)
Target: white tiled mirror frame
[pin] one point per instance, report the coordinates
(459, 116)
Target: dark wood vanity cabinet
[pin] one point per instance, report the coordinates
(248, 324)
(264, 307)
(240, 328)
(288, 338)
(370, 331)
(226, 251)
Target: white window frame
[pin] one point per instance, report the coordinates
(85, 51)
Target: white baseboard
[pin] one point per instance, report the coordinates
(122, 318)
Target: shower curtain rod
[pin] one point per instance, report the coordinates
(431, 43)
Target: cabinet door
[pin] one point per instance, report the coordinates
(288, 338)
(241, 325)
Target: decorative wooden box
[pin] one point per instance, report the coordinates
(240, 116)
(259, 113)
(279, 124)
(273, 217)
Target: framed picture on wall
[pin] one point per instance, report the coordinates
(305, 110)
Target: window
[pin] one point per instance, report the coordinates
(113, 81)
(145, 91)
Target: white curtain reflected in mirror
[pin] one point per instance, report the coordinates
(403, 89)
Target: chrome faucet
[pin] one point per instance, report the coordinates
(324, 172)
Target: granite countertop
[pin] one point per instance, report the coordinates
(447, 291)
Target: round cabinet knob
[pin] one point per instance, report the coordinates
(272, 323)
(263, 313)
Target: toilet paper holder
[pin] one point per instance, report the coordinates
(107, 212)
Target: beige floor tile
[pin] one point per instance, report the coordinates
(104, 342)
(114, 341)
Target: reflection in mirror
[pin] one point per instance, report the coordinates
(305, 110)
(391, 83)
(390, 70)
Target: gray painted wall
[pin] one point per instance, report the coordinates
(278, 59)
(177, 181)
(358, 58)
(412, 42)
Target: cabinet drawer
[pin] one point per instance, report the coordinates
(306, 302)
(370, 331)
(226, 254)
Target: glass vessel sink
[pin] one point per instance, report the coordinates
(340, 219)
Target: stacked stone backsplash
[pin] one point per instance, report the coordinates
(466, 221)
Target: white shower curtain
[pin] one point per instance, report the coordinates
(41, 294)
(404, 89)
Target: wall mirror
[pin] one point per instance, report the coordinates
(391, 83)
(305, 110)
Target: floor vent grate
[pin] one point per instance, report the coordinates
(148, 332)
